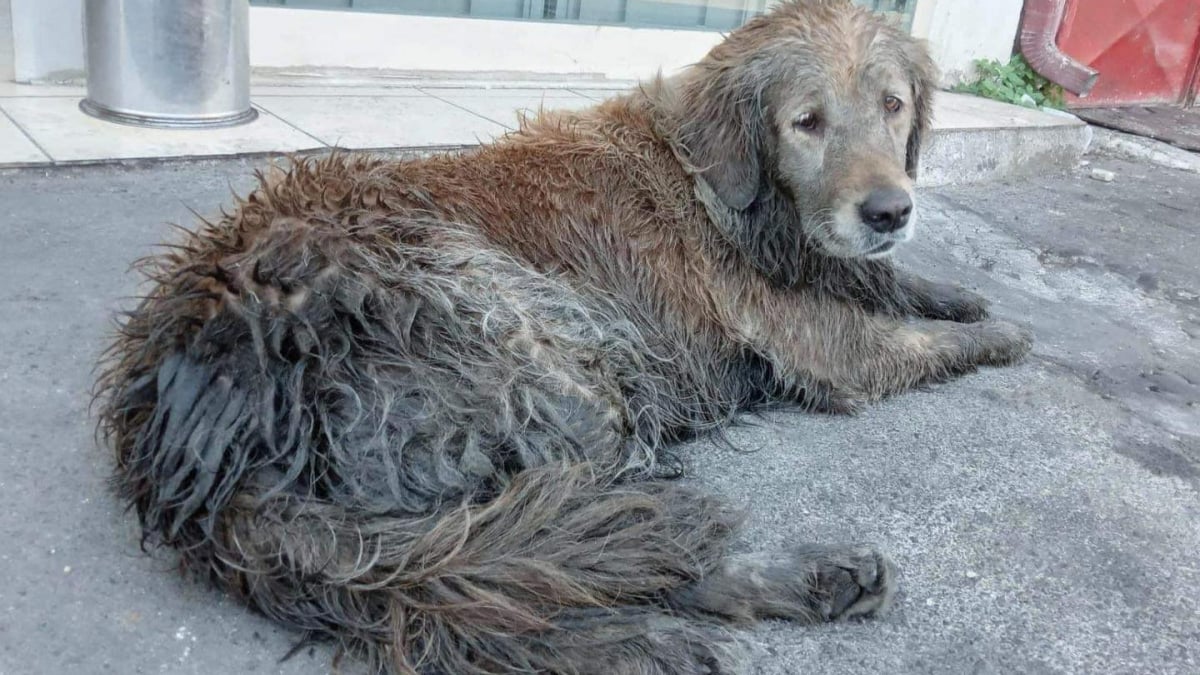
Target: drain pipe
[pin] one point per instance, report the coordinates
(1039, 30)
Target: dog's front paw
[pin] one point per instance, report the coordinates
(999, 343)
(948, 302)
(968, 307)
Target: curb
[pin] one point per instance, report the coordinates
(952, 156)
(967, 156)
(1137, 148)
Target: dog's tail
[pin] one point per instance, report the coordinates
(559, 573)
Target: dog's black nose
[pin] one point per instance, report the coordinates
(886, 210)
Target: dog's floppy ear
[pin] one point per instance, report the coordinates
(923, 74)
(722, 129)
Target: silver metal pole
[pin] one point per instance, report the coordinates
(168, 63)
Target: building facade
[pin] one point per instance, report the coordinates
(42, 40)
(694, 14)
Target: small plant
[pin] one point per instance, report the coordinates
(1013, 82)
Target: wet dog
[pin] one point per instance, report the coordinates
(424, 407)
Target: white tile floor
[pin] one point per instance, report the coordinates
(382, 121)
(43, 124)
(66, 134)
(503, 105)
(16, 146)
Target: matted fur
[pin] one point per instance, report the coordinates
(422, 407)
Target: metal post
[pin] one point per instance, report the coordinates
(168, 63)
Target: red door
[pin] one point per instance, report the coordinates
(1147, 51)
(1193, 98)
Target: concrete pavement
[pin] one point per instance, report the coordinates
(1047, 517)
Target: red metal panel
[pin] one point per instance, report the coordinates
(1145, 50)
(1193, 96)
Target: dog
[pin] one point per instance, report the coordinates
(426, 408)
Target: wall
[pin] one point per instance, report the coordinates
(290, 39)
(960, 31)
(48, 42)
(6, 45)
(6, 72)
(47, 39)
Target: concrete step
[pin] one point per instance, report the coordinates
(974, 139)
(977, 140)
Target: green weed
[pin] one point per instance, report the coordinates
(1013, 82)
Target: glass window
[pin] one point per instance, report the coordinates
(693, 14)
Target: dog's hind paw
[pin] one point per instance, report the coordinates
(850, 582)
(810, 583)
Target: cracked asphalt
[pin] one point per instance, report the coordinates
(1046, 517)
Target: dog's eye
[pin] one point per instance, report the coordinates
(808, 122)
(892, 104)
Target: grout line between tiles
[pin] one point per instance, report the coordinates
(587, 96)
(27, 134)
(481, 116)
(349, 93)
(285, 121)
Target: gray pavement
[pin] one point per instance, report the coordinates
(1047, 517)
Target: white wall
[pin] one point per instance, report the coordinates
(6, 46)
(306, 39)
(47, 39)
(960, 31)
(48, 42)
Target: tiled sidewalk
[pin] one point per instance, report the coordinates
(43, 124)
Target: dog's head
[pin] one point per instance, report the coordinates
(819, 105)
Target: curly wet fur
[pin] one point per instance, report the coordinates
(423, 408)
